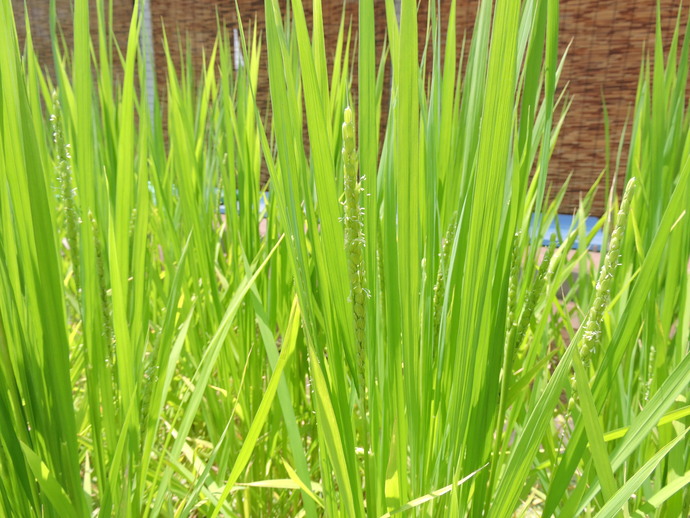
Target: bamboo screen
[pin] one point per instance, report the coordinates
(39, 16)
(607, 41)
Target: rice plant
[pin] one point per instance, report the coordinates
(375, 331)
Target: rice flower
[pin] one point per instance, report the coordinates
(543, 272)
(102, 284)
(64, 175)
(595, 317)
(440, 277)
(354, 237)
(513, 282)
(647, 383)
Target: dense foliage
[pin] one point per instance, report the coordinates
(377, 330)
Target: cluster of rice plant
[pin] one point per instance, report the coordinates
(375, 331)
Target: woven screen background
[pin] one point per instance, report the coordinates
(39, 16)
(607, 40)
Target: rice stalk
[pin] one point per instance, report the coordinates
(386, 361)
(63, 160)
(595, 316)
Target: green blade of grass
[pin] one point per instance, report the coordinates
(615, 504)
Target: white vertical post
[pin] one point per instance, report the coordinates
(146, 42)
(238, 58)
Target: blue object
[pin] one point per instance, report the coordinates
(564, 222)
